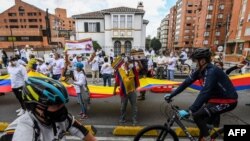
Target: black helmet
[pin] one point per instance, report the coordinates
(201, 53)
(44, 92)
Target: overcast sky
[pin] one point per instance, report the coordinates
(156, 10)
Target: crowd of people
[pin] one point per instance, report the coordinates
(43, 99)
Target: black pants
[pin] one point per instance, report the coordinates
(160, 71)
(18, 94)
(106, 77)
(210, 110)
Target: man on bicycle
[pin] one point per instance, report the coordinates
(217, 95)
(47, 118)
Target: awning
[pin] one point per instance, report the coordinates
(236, 41)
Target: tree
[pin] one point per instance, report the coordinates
(96, 45)
(147, 46)
(155, 44)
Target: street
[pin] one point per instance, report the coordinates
(104, 113)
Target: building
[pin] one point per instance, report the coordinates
(184, 29)
(172, 24)
(212, 20)
(239, 32)
(158, 36)
(25, 24)
(164, 27)
(120, 28)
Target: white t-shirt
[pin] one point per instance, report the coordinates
(111, 54)
(184, 55)
(23, 53)
(107, 69)
(161, 60)
(24, 129)
(42, 69)
(80, 81)
(18, 75)
(57, 65)
(95, 64)
(172, 63)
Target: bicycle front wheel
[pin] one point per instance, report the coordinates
(156, 133)
(218, 135)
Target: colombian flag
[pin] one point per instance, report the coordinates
(5, 84)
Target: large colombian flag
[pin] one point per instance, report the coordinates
(5, 85)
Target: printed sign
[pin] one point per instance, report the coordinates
(79, 47)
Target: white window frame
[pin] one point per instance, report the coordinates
(92, 27)
(206, 34)
(248, 18)
(210, 7)
(113, 21)
(222, 6)
(209, 16)
(216, 42)
(217, 33)
(120, 21)
(205, 42)
(128, 24)
(220, 16)
(247, 31)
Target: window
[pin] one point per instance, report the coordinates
(210, 7)
(40, 20)
(206, 34)
(209, 16)
(189, 24)
(33, 26)
(216, 42)
(24, 20)
(248, 19)
(122, 21)
(187, 31)
(208, 25)
(220, 16)
(205, 42)
(41, 26)
(24, 38)
(186, 43)
(129, 21)
(128, 47)
(221, 7)
(217, 33)
(117, 48)
(32, 20)
(247, 32)
(189, 18)
(12, 20)
(115, 21)
(14, 26)
(12, 14)
(189, 11)
(219, 25)
(92, 27)
(3, 38)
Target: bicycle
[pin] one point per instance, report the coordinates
(183, 68)
(164, 132)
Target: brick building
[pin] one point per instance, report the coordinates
(24, 24)
(212, 20)
(171, 29)
(184, 29)
(239, 31)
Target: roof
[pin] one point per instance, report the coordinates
(100, 14)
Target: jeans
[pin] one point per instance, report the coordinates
(56, 76)
(82, 104)
(131, 97)
(170, 74)
(106, 77)
(210, 110)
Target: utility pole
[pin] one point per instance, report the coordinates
(226, 37)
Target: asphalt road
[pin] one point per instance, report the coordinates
(104, 113)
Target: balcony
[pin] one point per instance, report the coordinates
(122, 33)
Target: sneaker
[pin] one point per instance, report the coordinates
(134, 122)
(83, 116)
(81, 113)
(122, 121)
(18, 110)
(21, 112)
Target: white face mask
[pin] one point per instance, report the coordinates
(130, 66)
(125, 59)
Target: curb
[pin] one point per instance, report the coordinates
(133, 130)
(92, 129)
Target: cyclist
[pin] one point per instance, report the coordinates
(217, 95)
(47, 118)
(183, 56)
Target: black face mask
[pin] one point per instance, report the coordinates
(57, 116)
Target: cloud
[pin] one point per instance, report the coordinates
(156, 10)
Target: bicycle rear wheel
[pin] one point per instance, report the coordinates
(218, 135)
(185, 68)
(156, 133)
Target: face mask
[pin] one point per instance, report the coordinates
(57, 116)
(130, 66)
(14, 63)
(125, 59)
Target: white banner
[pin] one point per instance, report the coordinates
(79, 47)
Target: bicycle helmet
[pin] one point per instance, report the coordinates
(79, 65)
(201, 53)
(44, 92)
